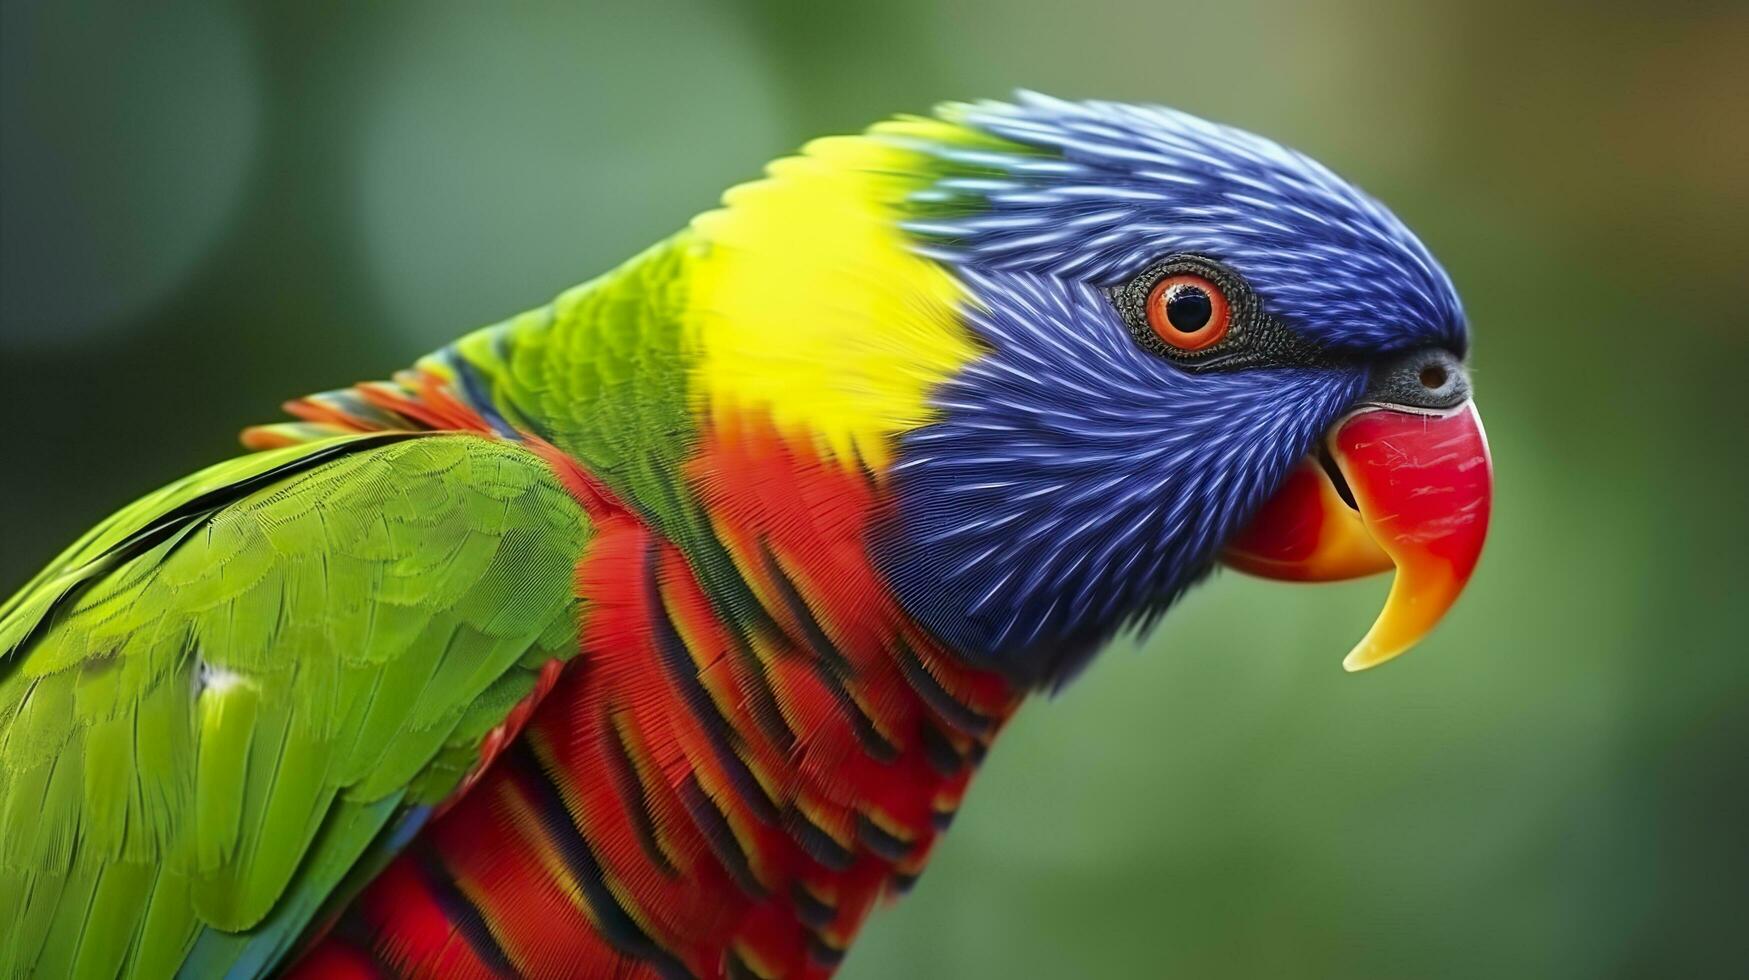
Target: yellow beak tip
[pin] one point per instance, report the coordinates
(1366, 656)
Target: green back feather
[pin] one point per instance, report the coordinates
(212, 705)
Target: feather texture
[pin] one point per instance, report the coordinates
(658, 631)
(207, 718)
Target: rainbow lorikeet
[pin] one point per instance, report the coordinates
(656, 632)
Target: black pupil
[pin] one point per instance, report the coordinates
(1188, 308)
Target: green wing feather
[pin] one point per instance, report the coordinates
(218, 702)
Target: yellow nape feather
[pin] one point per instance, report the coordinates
(808, 304)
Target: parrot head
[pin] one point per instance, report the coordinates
(1093, 350)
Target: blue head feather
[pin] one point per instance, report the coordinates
(1074, 481)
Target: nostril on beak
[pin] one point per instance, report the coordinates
(1431, 379)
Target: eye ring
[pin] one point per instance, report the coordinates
(1188, 312)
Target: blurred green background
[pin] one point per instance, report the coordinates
(208, 208)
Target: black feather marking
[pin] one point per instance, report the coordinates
(739, 603)
(942, 756)
(683, 673)
(881, 841)
(810, 908)
(351, 931)
(624, 773)
(612, 920)
(829, 662)
(939, 699)
(460, 910)
(735, 968)
(714, 827)
(822, 952)
(819, 845)
(812, 632)
(761, 702)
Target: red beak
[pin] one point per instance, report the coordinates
(1391, 486)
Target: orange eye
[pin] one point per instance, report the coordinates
(1188, 312)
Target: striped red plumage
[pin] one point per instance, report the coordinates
(695, 796)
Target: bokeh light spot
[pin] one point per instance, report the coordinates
(128, 134)
(506, 158)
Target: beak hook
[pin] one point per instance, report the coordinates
(1411, 489)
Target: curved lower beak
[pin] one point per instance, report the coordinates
(1388, 487)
